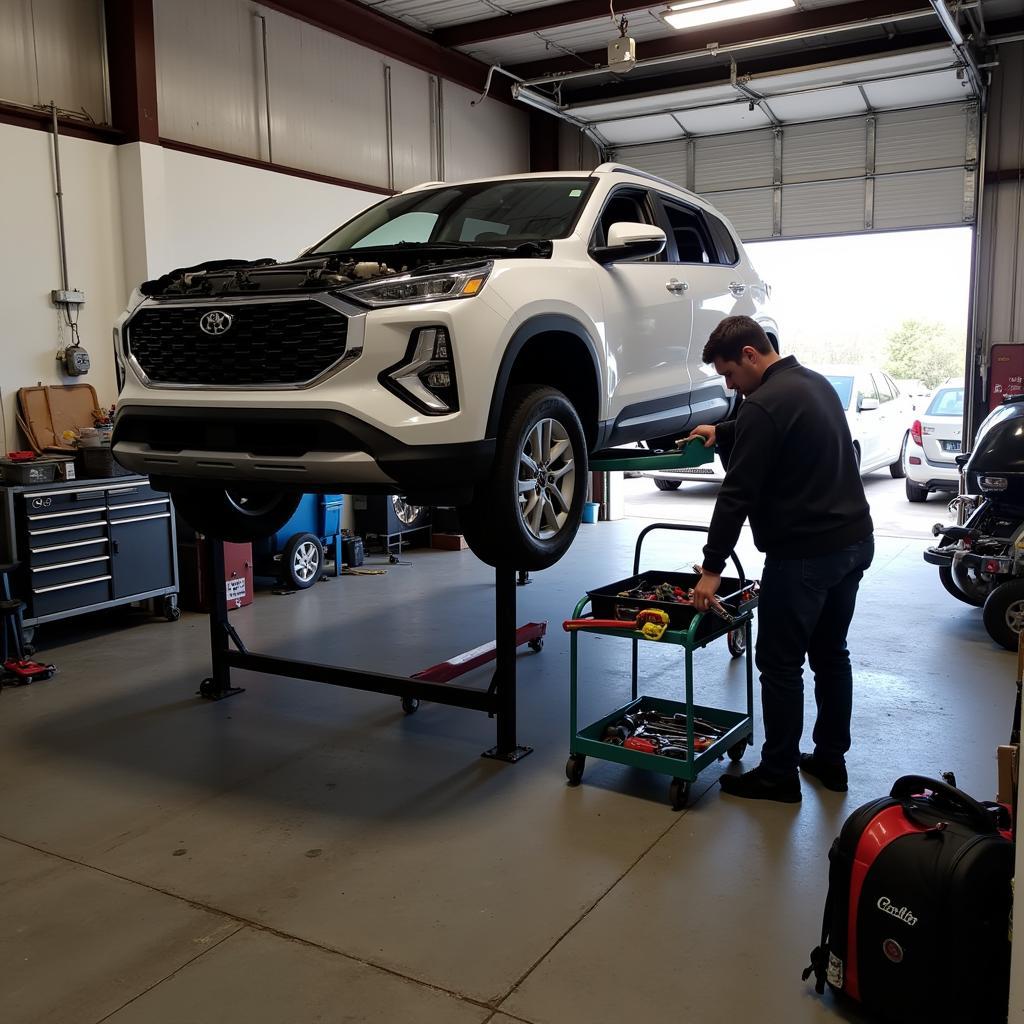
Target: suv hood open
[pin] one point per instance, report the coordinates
(330, 271)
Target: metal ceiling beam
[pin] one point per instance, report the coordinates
(537, 20)
(746, 31)
(365, 26)
(131, 60)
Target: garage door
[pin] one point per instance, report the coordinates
(912, 168)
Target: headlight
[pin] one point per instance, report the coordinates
(406, 289)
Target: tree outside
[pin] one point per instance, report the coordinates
(926, 351)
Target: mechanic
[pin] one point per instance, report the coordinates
(791, 467)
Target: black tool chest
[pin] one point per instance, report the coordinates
(88, 545)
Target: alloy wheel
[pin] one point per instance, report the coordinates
(306, 561)
(1015, 616)
(547, 479)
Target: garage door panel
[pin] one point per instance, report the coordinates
(926, 199)
(640, 129)
(666, 160)
(805, 106)
(816, 152)
(749, 211)
(733, 161)
(920, 89)
(823, 208)
(921, 139)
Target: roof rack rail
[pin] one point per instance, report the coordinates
(626, 169)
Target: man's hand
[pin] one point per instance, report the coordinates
(706, 589)
(706, 433)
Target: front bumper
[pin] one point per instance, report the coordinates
(303, 449)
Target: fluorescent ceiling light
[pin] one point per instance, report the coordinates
(692, 13)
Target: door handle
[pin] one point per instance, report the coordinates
(737, 288)
(676, 287)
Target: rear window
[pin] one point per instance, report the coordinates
(726, 246)
(947, 402)
(843, 386)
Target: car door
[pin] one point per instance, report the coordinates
(890, 419)
(867, 430)
(716, 290)
(648, 323)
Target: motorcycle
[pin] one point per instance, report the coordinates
(981, 558)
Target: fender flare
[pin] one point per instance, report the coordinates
(543, 323)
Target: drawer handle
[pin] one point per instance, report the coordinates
(66, 586)
(68, 565)
(139, 504)
(65, 529)
(140, 519)
(66, 547)
(72, 512)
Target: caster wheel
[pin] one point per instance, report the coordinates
(409, 705)
(29, 650)
(574, 768)
(206, 688)
(737, 641)
(537, 645)
(171, 610)
(679, 794)
(737, 750)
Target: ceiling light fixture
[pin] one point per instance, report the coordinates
(692, 13)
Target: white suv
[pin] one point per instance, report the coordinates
(461, 344)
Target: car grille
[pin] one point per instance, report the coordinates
(269, 344)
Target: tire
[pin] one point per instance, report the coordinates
(947, 581)
(668, 485)
(896, 468)
(915, 492)
(303, 561)
(527, 514)
(236, 515)
(1004, 613)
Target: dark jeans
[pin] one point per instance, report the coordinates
(805, 609)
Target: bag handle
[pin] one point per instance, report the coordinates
(908, 786)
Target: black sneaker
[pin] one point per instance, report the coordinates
(830, 775)
(756, 785)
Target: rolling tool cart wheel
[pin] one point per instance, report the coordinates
(737, 750)
(410, 704)
(679, 794)
(537, 645)
(737, 641)
(206, 688)
(574, 768)
(171, 610)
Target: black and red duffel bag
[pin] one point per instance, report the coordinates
(917, 916)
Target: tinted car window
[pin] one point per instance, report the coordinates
(692, 242)
(947, 402)
(844, 388)
(882, 387)
(724, 240)
(629, 206)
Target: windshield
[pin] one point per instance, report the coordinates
(480, 213)
(843, 386)
(947, 402)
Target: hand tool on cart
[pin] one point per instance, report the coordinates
(652, 622)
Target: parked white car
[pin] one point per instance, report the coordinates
(878, 414)
(935, 441)
(461, 344)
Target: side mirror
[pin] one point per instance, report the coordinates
(867, 405)
(628, 241)
(962, 459)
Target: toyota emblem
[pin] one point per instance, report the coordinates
(215, 322)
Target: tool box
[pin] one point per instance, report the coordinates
(705, 733)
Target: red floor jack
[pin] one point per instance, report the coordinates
(18, 670)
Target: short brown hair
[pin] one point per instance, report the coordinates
(733, 335)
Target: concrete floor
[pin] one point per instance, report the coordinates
(302, 853)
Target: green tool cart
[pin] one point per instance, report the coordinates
(732, 731)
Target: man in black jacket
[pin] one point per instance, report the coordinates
(792, 469)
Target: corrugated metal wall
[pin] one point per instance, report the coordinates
(328, 100)
(54, 50)
(894, 169)
(1001, 285)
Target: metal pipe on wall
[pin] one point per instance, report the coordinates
(266, 86)
(974, 367)
(60, 199)
(389, 130)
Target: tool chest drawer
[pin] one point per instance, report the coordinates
(92, 545)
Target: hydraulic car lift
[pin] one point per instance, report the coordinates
(431, 684)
